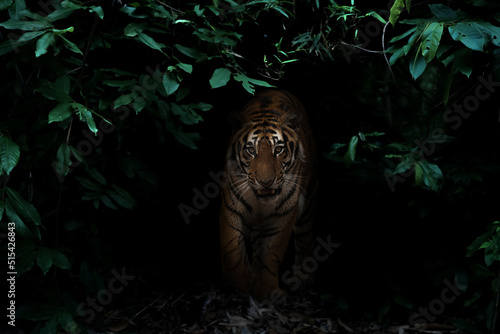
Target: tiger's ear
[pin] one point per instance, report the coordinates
(292, 119)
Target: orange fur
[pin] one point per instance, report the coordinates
(269, 191)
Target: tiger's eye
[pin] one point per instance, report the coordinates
(278, 149)
(251, 150)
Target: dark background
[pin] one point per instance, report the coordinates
(396, 247)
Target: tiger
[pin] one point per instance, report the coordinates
(269, 191)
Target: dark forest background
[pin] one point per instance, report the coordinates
(114, 117)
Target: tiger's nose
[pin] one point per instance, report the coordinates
(266, 183)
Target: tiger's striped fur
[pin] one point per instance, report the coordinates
(268, 192)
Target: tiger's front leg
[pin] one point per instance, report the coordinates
(270, 243)
(235, 264)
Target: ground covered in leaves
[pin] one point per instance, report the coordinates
(216, 308)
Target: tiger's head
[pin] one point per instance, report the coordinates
(267, 153)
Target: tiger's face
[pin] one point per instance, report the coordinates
(266, 155)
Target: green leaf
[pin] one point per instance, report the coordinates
(122, 197)
(417, 66)
(486, 244)
(427, 174)
(469, 34)
(408, 5)
(187, 22)
(63, 83)
(58, 90)
(378, 17)
(30, 35)
(60, 13)
(187, 115)
(88, 183)
(108, 202)
(443, 12)
(415, 36)
(59, 259)
(188, 68)
(13, 216)
(98, 10)
(85, 115)
(70, 45)
(60, 113)
(430, 40)
(123, 100)
(418, 174)
(4, 4)
(63, 31)
(220, 77)
(147, 40)
(186, 138)
(248, 83)
(205, 35)
(281, 11)
(13, 24)
(491, 32)
(190, 52)
(141, 103)
(76, 154)
(396, 54)
(395, 11)
(405, 34)
(170, 82)
(132, 29)
(63, 160)
(43, 43)
(198, 11)
(480, 241)
(402, 167)
(44, 259)
(67, 322)
(70, 4)
(23, 220)
(462, 61)
(24, 208)
(200, 106)
(96, 175)
(489, 258)
(9, 154)
(18, 7)
(351, 151)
